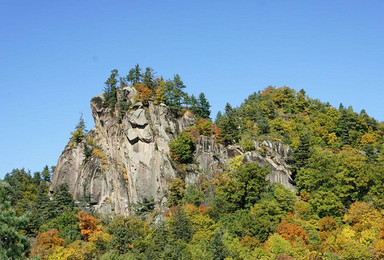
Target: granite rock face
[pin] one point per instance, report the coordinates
(130, 159)
(212, 157)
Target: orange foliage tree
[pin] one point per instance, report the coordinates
(327, 226)
(292, 232)
(88, 224)
(143, 93)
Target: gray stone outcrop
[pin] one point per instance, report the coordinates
(130, 159)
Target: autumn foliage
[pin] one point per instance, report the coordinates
(87, 224)
(46, 243)
(143, 93)
(292, 232)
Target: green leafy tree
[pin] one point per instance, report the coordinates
(182, 148)
(320, 171)
(68, 225)
(129, 234)
(176, 188)
(264, 218)
(242, 187)
(13, 245)
(277, 245)
(326, 203)
(284, 197)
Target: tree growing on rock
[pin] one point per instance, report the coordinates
(79, 133)
(135, 75)
(110, 90)
(182, 148)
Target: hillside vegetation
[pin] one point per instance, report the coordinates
(336, 211)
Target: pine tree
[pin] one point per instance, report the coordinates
(217, 247)
(110, 90)
(174, 93)
(78, 134)
(63, 200)
(228, 125)
(301, 154)
(42, 210)
(204, 106)
(13, 245)
(46, 174)
(148, 79)
(180, 225)
(135, 75)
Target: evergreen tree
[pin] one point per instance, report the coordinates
(63, 200)
(191, 102)
(263, 125)
(110, 90)
(17, 179)
(135, 75)
(144, 207)
(13, 245)
(23, 190)
(42, 210)
(204, 105)
(174, 93)
(179, 84)
(200, 107)
(228, 125)
(36, 178)
(180, 226)
(78, 134)
(301, 154)
(46, 174)
(217, 247)
(148, 79)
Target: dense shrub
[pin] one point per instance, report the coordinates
(182, 148)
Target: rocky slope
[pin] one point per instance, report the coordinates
(130, 160)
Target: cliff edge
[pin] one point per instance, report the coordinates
(124, 160)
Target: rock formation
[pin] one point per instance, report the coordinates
(130, 159)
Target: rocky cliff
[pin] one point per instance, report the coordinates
(130, 158)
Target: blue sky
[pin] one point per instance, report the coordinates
(56, 55)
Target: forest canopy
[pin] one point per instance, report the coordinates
(336, 210)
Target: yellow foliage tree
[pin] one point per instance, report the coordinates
(73, 251)
(362, 216)
(46, 243)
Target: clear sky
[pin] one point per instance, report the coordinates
(56, 55)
